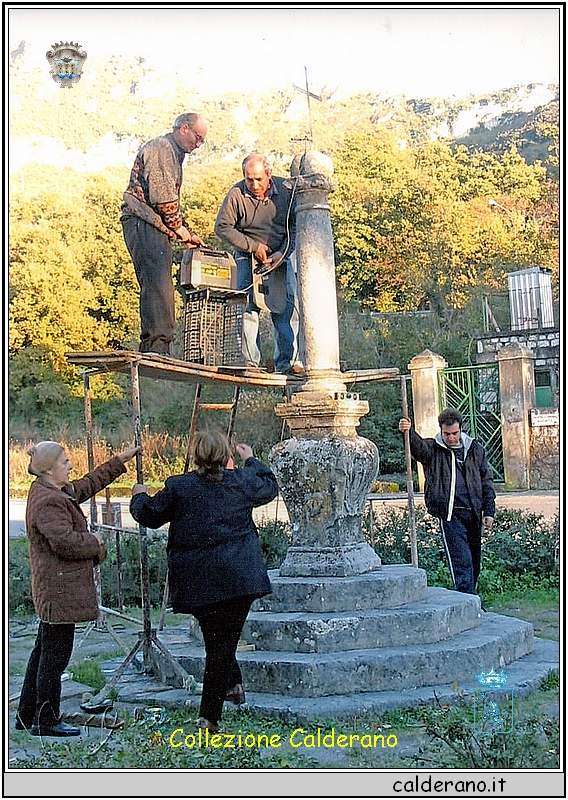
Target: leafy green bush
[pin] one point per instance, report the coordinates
(519, 554)
(391, 538)
(520, 545)
(38, 395)
(529, 588)
(19, 577)
(525, 542)
(275, 540)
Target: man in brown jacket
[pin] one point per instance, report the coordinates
(62, 555)
(152, 221)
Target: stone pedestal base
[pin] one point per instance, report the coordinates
(329, 561)
(361, 640)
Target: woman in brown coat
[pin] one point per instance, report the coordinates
(62, 555)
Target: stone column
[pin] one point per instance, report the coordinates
(325, 471)
(516, 382)
(317, 298)
(424, 369)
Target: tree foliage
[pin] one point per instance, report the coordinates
(414, 227)
(72, 284)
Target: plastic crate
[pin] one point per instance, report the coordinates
(212, 331)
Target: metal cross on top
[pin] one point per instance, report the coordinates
(308, 94)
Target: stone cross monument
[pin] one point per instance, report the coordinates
(340, 635)
(325, 470)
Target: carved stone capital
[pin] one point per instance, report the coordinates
(312, 414)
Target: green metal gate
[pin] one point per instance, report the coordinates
(474, 391)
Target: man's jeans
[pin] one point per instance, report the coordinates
(286, 324)
(462, 542)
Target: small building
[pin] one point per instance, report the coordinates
(531, 324)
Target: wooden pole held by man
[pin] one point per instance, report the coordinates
(409, 481)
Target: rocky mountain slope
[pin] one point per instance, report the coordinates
(120, 102)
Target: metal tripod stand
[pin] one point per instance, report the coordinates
(147, 637)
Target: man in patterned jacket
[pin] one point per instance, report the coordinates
(151, 220)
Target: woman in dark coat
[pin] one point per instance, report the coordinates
(62, 553)
(215, 563)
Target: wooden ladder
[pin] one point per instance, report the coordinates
(198, 405)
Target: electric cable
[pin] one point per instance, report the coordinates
(295, 307)
(287, 240)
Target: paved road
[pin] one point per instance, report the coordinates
(545, 503)
(536, 502)
(17, 514)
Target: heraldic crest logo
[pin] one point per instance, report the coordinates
(66, 60)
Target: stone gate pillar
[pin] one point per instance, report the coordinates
(325, 470)
(516, 383)
(424, 370)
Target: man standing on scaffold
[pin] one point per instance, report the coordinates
(151, 219)
(257, 220)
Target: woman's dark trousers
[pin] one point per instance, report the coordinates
(221, 624)
(41, 690)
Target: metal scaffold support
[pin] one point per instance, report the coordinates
(147, 637)
(154, 366)
(101, 624)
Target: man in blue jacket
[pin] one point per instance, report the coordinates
(458, 490)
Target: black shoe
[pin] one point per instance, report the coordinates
(19, 726)
(236, 695)
(100, 708)
(59, 729)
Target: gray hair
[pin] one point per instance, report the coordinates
(43, 456)
(186, 119)
(258, 157)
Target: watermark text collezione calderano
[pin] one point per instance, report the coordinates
(298, 738)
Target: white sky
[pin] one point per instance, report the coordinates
(417, 50)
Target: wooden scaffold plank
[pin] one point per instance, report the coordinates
(151, 365)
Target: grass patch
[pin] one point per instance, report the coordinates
(551, 683)
(526, 597)
(88, 672)
(16, 668)
(528, 590)
(439, 737)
